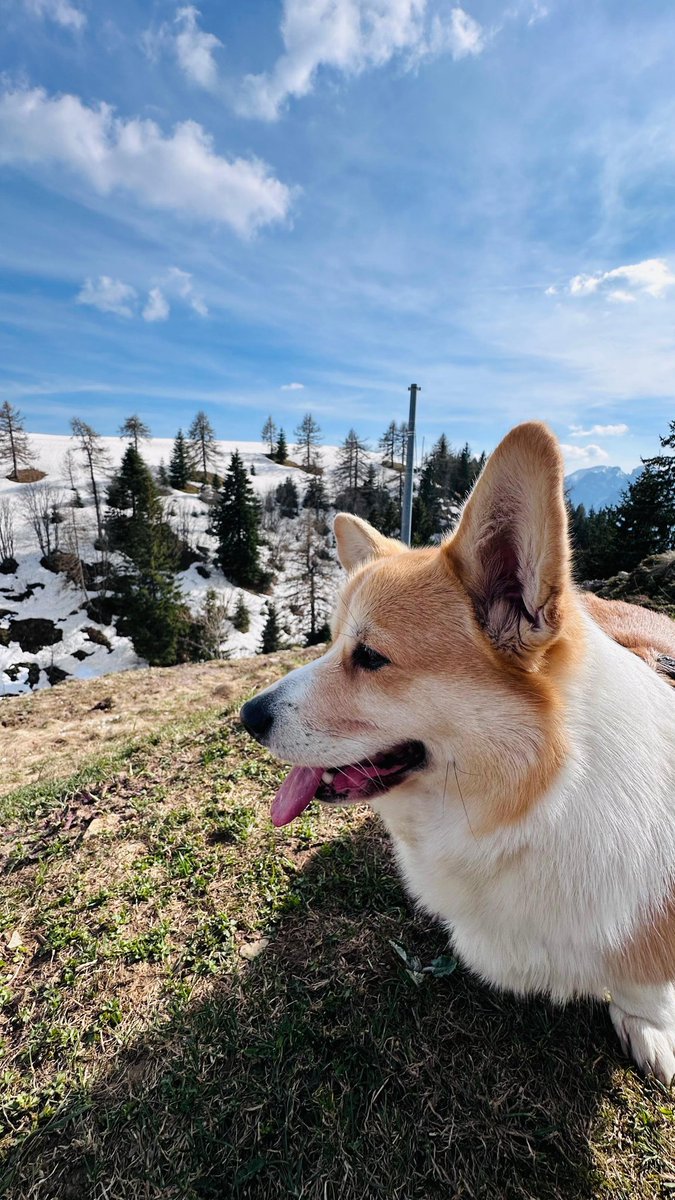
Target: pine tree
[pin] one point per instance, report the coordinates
(645, 518)
(15, 449)
(236, 523)
(242, 617)
(96, 458)
(135, 430)
(271, 636)
(203, 443)
(316, 496)
(163, 475)
(287, 498)
(308, 439)
(143, 588)
(269, 434)
(281, 452)
(179, 464)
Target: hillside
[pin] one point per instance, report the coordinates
(195, 1005)
(49, 630)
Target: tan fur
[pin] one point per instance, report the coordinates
(647, 634)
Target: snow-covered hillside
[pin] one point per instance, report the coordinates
(40, 605)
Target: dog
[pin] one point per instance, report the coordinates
(517, 738)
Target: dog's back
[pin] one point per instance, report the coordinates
(648, 634)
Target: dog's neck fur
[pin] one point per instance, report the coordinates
(516, 898)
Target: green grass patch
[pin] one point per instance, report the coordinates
(194, 1005)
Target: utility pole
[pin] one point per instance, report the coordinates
(406, 510)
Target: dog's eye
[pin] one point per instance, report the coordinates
(369, 659)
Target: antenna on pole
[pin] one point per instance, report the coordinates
(406, 510)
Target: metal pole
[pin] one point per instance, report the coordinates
(406, 510)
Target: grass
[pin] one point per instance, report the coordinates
(197, 1006)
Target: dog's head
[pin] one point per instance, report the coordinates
(443, 669)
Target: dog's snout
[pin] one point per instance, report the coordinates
(257, 717)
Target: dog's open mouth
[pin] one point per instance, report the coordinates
(349, 784)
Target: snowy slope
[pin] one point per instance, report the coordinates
(32, 592)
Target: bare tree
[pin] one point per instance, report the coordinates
(311, 582)
(6, 529)
(14, 443)
(203, 443)
(308, 438)
(42, 507)
(135, 430)
(269, 434)
(95, 457)
(72, 542)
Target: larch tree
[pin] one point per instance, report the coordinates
(203, 444)
(95, 458)
(308, 440)
(135, 430)
(269, 434)
(15, 448)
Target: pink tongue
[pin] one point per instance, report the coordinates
(296, 792)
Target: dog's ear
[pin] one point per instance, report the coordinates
(357, 541)
(511, 548)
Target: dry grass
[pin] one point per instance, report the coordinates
(197, 1006)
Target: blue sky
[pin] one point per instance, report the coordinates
(205, 207)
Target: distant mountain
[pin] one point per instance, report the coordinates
(598, 487)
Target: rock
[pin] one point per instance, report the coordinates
(56, 674)
(8, 566)
(106, 824)
(14, 940)
(97, 636)
(251, 950)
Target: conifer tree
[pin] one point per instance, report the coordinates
(281, 452)
(316, 496)
(388, 443)
(236, 523)
(645, 518)
(144, 589)
(96, 459)
(15, 450)
(271, 636)
(287, 498)
(242, 617)
(203, 443)
(352, 462)
(179, 464)
(310, 579)
(308, 439)
(269, 434)
(135, 430)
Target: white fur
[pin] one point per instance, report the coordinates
(539, 905)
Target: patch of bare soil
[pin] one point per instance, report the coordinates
(51, 733)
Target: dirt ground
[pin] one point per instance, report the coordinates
(49, 734)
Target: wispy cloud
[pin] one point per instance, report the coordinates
(584, 456)
(599, 431)
(156, 306)
(62, 12)
(352, 36)
(108, 295)
(292, 387)
(180, 282)
(651, 277)
(193, 47)
(178, 172)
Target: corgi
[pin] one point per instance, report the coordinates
(517, 739)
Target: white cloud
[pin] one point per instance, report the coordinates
(353, 36)
(194, 48)
(292, 387)
(180, 283)
(179, 172)
(108, 295)
(652, 277)
(584, 456)
(156, 306)
(61, 11)
(599, 431)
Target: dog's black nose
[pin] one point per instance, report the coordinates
(257, 717)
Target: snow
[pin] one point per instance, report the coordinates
(56, 599)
